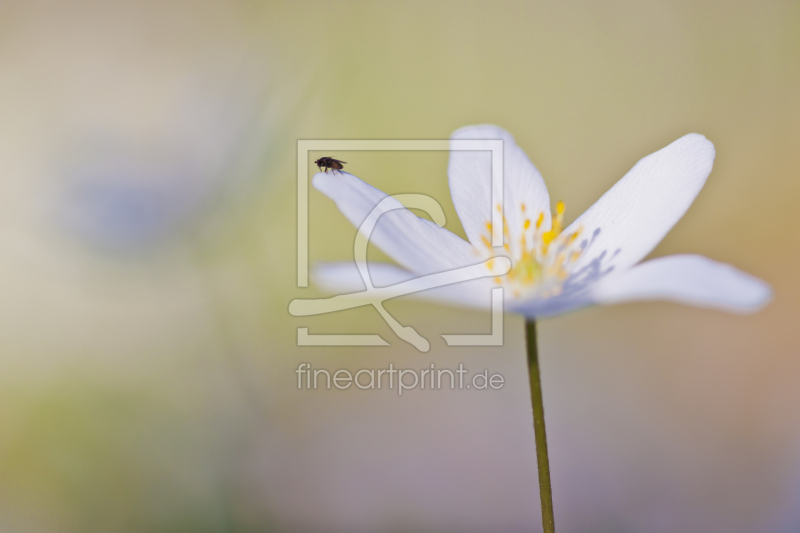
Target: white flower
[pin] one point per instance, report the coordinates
(553, 270)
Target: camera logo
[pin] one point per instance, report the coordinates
(376, 296)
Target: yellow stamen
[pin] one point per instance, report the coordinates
(547, 238)
(572, 238)
(537, 265)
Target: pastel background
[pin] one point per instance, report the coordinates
(147, 260)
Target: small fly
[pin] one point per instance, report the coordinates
(330, 163)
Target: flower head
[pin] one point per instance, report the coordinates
(553, 269)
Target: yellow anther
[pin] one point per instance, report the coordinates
(540, 220)
(572, 237)
(499, 208)
(490, 264)
(522, 206)
(560, 207)
(527, 223)
(489, 227)
(486, 242)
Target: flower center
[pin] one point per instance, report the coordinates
(540, 260)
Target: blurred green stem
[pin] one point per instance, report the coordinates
(545, 491)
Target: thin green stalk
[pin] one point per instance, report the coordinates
(545, 490)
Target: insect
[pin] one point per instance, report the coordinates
(330, 163)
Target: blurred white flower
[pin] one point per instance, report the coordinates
(554, 270)
(124, 189)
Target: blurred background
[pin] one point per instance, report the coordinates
(147, 235)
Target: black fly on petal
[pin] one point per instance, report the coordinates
(330, 163)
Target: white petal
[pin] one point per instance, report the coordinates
(344, 278)
(416, 243)
(689, 279)
(471, 185)
(629, 220)
(547, 307)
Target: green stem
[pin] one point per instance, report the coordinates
(545, 490)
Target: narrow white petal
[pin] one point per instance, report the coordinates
(470, 174)
(341, 278)
(689, 279)
(344, 278)
(629, 220)
(416, 243)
